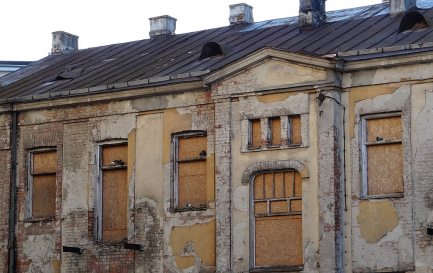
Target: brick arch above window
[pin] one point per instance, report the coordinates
(274, 165)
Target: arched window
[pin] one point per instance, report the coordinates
(276, 218)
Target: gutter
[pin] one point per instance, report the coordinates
(13, 189)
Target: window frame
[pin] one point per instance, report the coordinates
(99, 185)
(364, 144)
(29, 186)
(175, 167)
(252, 225)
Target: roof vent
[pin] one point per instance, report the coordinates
(63, 42)
(241, 13)
(413, 20)
(311, 13)
(398, 7)
(162, 26)
(210, 49)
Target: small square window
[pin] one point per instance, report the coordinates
(190, 171)
(382, 156)
(42, 184)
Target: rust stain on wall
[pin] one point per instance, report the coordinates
(173, 122)
(363, 93)
(376, 219)
(196, 240)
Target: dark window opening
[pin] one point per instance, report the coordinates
(210, 49)
(413, 21)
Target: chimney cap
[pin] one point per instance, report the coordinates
(241, 13)
(63, 41)
(162, 26)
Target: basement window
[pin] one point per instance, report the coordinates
(382, 155)
(189, 171)
(41, 187)
(276, 202)
(112, 192)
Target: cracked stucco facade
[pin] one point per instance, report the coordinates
(336, 219)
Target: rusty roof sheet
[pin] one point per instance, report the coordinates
(176, 58)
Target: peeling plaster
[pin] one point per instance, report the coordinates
(376, 219)
(40, 250)
(193, 241)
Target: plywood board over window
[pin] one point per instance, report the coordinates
(255, 134)
(295, 130)
(42, 183)
(190, 171)
(114, 191)
(382, 154)
(277, 212)
(275, 131)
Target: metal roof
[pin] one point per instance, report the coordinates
(176, 58)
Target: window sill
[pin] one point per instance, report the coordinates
(272, 148)
(188, 209)
(37, 220)
(277, 269)
(383, 196)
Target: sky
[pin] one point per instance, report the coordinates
(26, 25)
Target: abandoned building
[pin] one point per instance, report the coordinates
(301, 144)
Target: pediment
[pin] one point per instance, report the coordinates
(270, 69)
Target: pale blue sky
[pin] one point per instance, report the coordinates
(26, 25)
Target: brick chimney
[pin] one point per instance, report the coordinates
(63, 42)
(162, 26)
(241, 13)
(311, 13)
(398, 7)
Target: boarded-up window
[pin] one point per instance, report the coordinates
(294, 130)
(277, 212)
(275, 131)
(190, 171)
(114, 192)
(255, 134)
(42, 184)
(382, 156)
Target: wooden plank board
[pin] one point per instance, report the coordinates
(44, 162)
(298, 184)
(256, 133)
(296, 130)
(260, 207)
(275, 126)
(192, 184)
(44, 196)
(279, 185)
(289, 180)
(114, 204)
(269, 185)
(259, 187)
(388, 128)
(191, 147)
(385, 169)
(278, 241)
(279, 206)
(110, 153)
